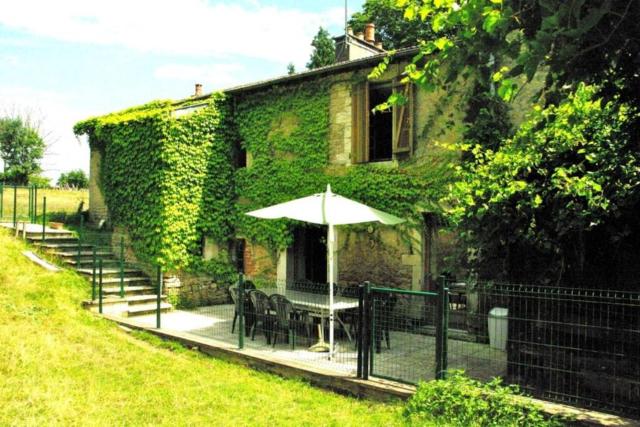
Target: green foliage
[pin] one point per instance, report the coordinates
(391, 28)
(74, 179)
(40, 181)
(461, 401)
(286, 133)
(500, 41)
(291, 69)
(324, 50)
(21, 149)
(167, 179)
(569, 169)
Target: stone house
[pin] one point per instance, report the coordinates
(406, 137)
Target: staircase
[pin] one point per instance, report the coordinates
(139, 292)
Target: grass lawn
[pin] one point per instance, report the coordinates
(61, 365)
(57, 201)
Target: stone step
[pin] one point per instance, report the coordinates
(128, 290)
(88, 263)
(134, 300)
(52, 239)
(83, 254)
(142, 309)
(126, 280)
(65, 246)
(111, 272)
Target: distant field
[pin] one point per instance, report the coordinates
(57, 201)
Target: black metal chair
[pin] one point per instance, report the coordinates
(383, 306)
(287, 319)
(262, 314)
(248, 312)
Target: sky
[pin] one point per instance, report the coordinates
(65, 60)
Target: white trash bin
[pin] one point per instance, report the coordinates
(498, 327)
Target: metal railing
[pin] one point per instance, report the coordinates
(579, 346)
(18, 203)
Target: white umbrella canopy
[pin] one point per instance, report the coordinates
(326, 208)
(329, 209)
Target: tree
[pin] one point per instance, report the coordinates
(564, 187)
(324, 50)
(74, 179)
(392, 29)
(291, 69)
(557, 201)
(21, 149)
(499, 41)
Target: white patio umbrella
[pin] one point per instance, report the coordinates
(328, 209)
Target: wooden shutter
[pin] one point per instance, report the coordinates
(360, 123)
(403, 120)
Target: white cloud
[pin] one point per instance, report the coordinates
(221, 75)
(56, 117)
(186, 27)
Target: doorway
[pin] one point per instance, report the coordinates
(310, 254)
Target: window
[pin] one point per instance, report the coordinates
(382, 135)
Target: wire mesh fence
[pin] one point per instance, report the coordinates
(404, 338)
(570, 345)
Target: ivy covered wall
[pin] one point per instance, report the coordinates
(167, 179)
(170, 180)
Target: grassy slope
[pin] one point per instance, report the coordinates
(61, 365)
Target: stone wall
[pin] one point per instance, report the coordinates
(340, 124)
(189, 291)
(259, 262)
(97, 205)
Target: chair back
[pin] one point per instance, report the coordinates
(233, 292)
(283, 308)
(260, 301)
(249, 285)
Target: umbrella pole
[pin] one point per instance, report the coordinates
(330, 247)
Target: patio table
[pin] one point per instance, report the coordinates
(317, 305)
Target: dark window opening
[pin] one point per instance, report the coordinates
(241, 155)
(237, 254)
(380, 125)
(310, 254)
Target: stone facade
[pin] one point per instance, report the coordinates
(97, 206)
(188, 291)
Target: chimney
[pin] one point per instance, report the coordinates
(379, 45)
(370, 33)
(360, 35)
(350, 31)
(198, 91)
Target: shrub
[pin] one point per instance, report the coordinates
(462, 401)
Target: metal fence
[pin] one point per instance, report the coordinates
(18, 203)
(579, 346)
(571, 345)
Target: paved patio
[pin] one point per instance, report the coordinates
(411, 356)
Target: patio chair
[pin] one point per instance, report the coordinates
(262, 314)
(248, 312)
(383, 306)
(287, 319)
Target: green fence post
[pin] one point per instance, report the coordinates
(442, 325)
(79, 254)
(121, 267)
(93, 276)
(372, 325)
(1, 200)
(241, 297)
(100, 287)
(159, 297)
(29, 202)
(44, 216)
(35, 204)
(15, 205)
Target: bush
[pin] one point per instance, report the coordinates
(462, 401)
